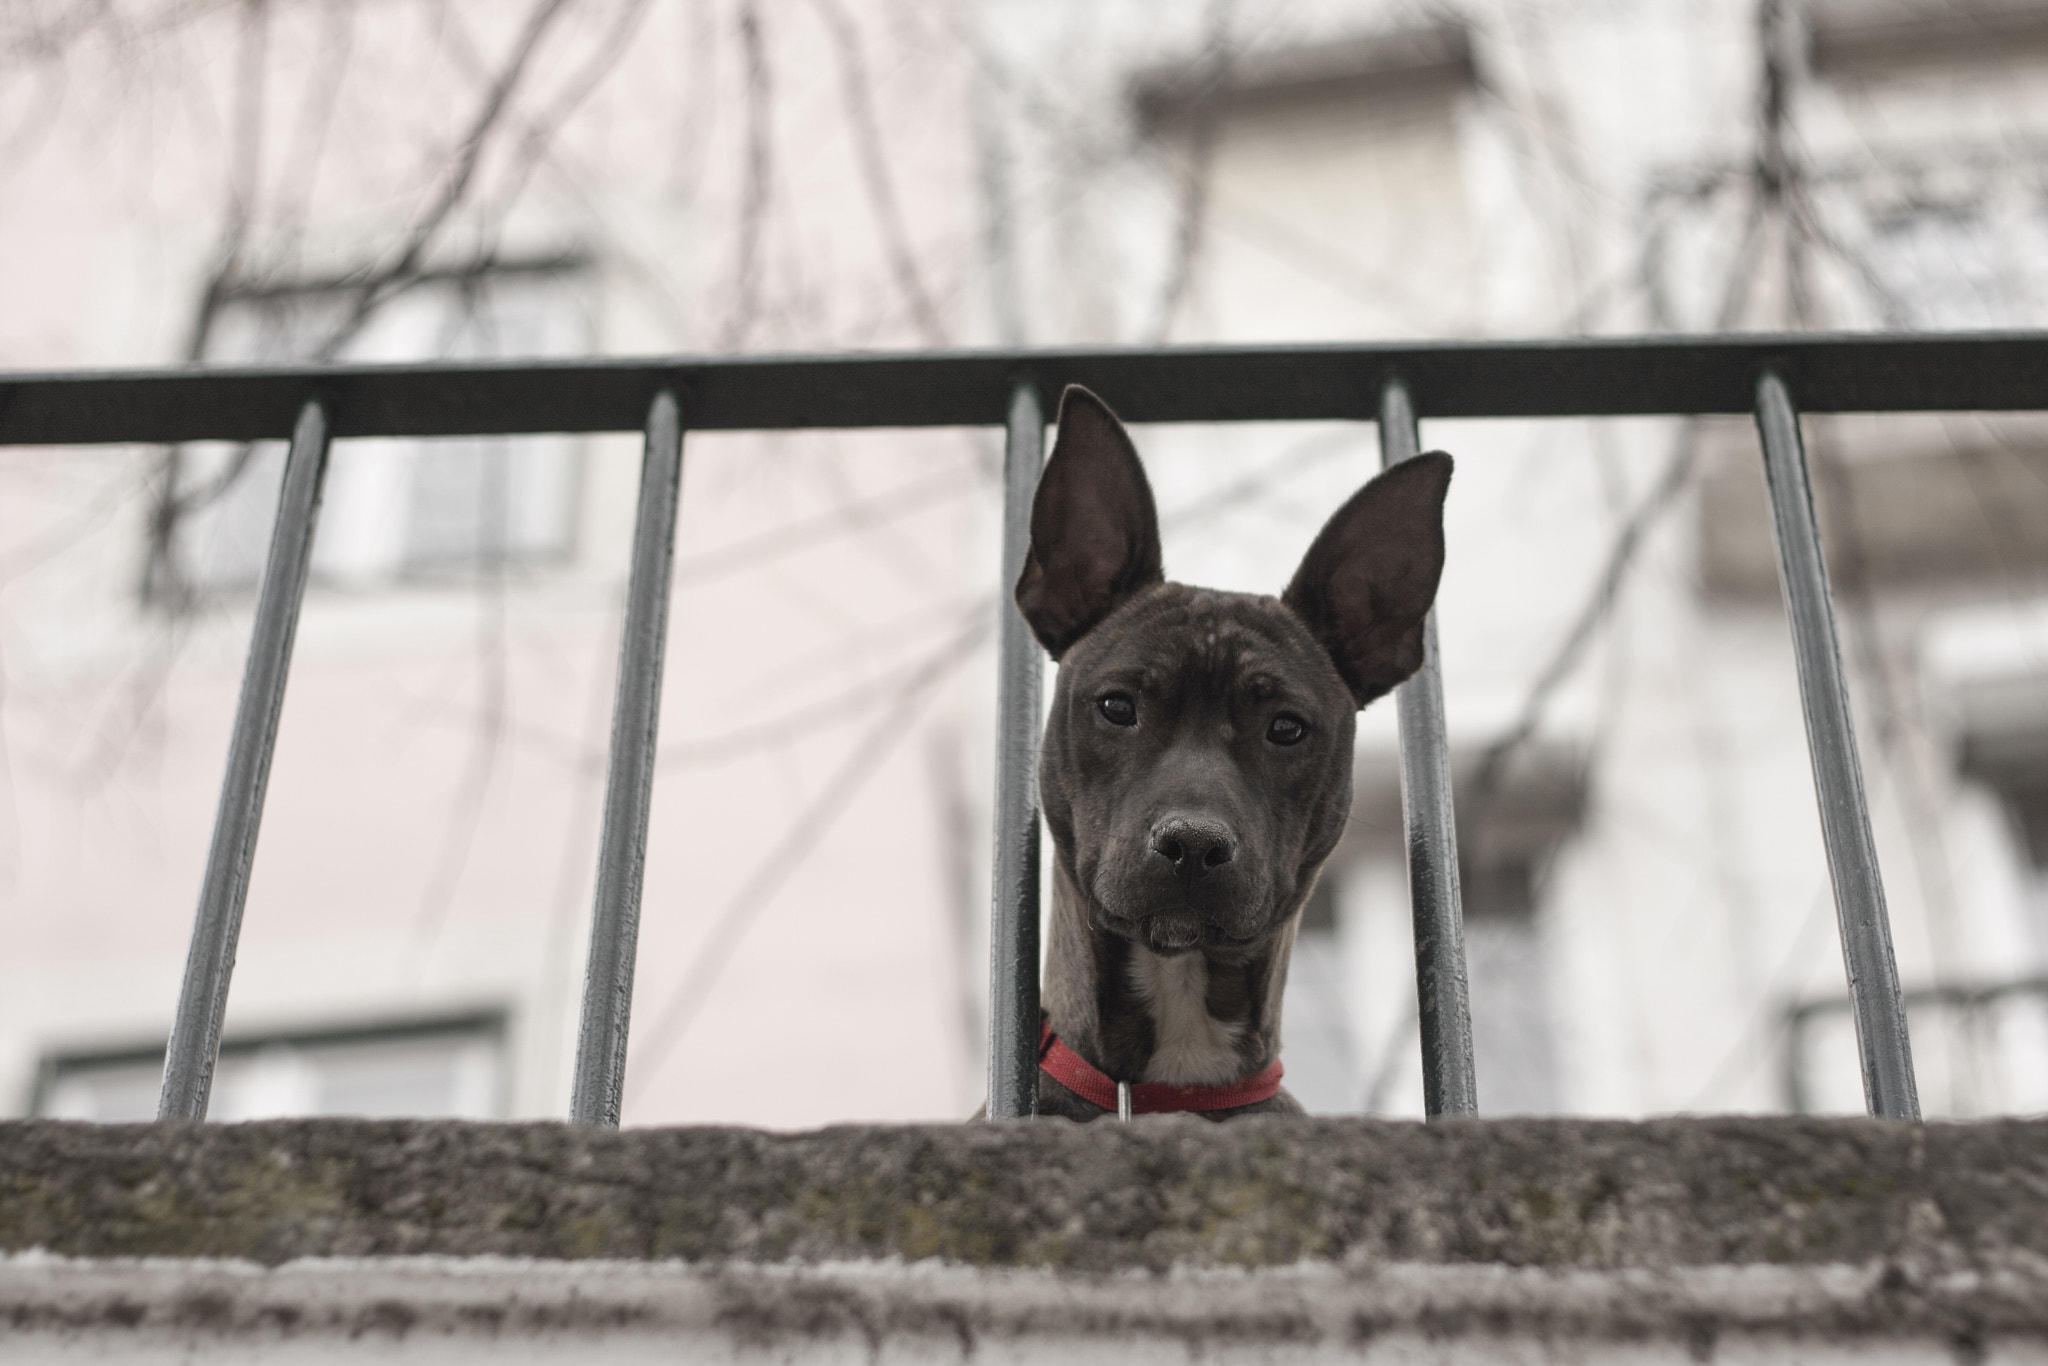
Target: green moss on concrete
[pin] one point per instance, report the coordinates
(1151, 1195)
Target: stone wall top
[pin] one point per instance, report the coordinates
(1162, 1193)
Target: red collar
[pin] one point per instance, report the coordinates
(1095, 1086)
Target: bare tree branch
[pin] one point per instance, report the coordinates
(1192, 216)
(875, 175)
(686, 999)
(1620, 558)
(849, 518)
(316, 115)
(760, 173)
(37, 38)
(842, 705)
(162, 582)
(378, 284)
(538, 134)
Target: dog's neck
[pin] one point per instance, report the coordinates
(1141, 1016)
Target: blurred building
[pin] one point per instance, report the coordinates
(1647, 902)
(244, 184)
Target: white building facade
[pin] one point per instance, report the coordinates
(1648, 916)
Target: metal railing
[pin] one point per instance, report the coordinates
(1973, 1008)
(1390, 385)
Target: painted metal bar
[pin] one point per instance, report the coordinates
(210, 961)
(1888, 1085)
(1449, 1084)
(1580, 377)
(629, 788)
(1013, 916)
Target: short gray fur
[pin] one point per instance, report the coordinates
(1889, 1089)
(210, 962)
(629, 788)
(1449, 1084)
(1013, 917)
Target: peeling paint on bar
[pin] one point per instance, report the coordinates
(1889, 1088)
(1013, 922)
(1449, 1079)
(210, 961)
(629, 787)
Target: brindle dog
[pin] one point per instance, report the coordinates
(1196, 770)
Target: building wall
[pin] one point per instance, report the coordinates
(430, 838)
(1649, 894)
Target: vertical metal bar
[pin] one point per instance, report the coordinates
(629, 788)
(210, 962)
(1888, 1086)
(1449, 1085)
(1013, 918)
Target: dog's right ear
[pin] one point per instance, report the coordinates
(1094, 530)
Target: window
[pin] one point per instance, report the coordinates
(1334, 182)
(452, 1068)
(392, 510)
(1925, 124)
(1946, 266)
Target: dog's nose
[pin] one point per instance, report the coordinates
(1193, 846)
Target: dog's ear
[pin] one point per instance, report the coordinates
(1366, 584)
(1094, 531)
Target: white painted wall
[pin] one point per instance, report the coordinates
(1688, 908)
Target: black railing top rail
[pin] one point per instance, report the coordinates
(1591, 377)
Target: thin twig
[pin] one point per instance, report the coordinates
(316, 116)
(875, 174)
(537, 134)
(1621, 555)
(376, 285)
(786, 726)
(760, 177)
(1192, 216)
(687, 998)
(162, 581)
(852, 517)
(493, 518)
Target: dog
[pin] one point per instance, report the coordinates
(1195, 772)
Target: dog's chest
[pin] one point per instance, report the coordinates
(1191, 1047)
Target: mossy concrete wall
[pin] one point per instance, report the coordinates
(1689, 1237)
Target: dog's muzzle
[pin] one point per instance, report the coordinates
(1187, 886)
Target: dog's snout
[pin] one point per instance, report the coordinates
(1193, 847)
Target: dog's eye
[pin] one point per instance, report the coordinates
(1118, 709)
(1287, 729)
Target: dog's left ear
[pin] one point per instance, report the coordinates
(1368, 581)
(1094, 530)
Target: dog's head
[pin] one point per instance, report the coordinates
(1196, 770)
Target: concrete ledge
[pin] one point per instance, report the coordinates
(164, 1309)
(1161, 1193)
(1676, 1238)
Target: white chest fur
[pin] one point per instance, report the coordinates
(1190, 1047)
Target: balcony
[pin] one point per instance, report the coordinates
(1461, 1239)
